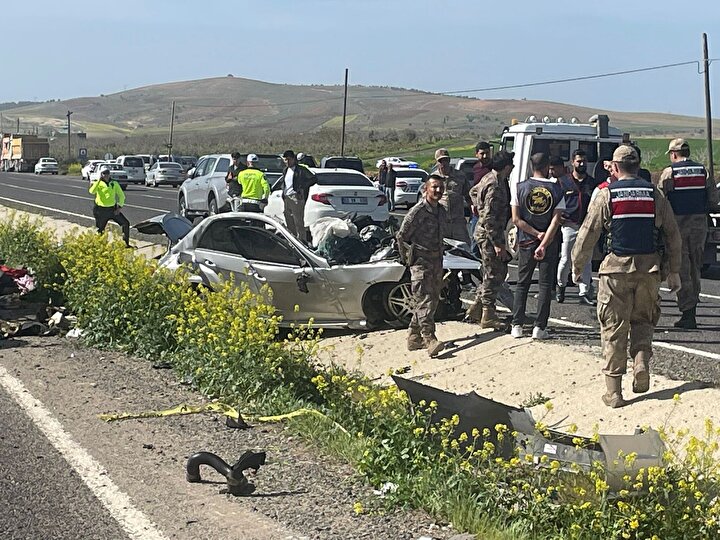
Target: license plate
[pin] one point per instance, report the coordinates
(354, 200)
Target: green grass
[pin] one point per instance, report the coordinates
(655, 159)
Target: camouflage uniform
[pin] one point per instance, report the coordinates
(491, 197)
(453, 200)
(628, 300)
(693, 230)
(420, 243)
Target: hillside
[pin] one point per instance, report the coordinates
(225, 104)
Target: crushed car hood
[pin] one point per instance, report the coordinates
(174, 226)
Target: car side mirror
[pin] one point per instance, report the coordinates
(191, 173)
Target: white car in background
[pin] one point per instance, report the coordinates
(117, 173)
(397, 162)
(338, 193)
(165, 172)
(205, 191)
(134, 166)
(407, 185)
(89, 167)
(46, 165)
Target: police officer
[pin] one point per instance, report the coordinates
(420, 242)
(109, 200)
(457, 192)
(254, 188)
(636, 215)
(692, 195)
(491, 198)
(536, 211)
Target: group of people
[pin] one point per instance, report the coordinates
(386, 177)
(652, 233)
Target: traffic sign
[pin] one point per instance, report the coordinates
(82, 153)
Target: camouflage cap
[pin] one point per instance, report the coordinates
(441, 153)
(677, 145)
(625, 153)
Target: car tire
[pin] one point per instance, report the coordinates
(182, 207)
(398, 301)
(212, 206)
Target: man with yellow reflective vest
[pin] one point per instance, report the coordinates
(109, 200)
(254, 188)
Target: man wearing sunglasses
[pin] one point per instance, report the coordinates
(109, 200)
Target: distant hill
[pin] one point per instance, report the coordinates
(224, 104)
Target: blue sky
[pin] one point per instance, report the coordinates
(82, 48)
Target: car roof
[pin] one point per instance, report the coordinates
(214, 156)
(327, 170)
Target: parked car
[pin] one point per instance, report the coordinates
(148, 160)
(338, 192)
(134, 167)
(270, 164)
(257, 250)
(397, 162)
(407, 185)
(165, 172)
(46, 165)
(187, 162)
(117, 173)
(342, 162)
(89, 167)
(205, 190)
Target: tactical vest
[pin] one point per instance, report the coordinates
(537, 200)
(688, 195)
(632, 205)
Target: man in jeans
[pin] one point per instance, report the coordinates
(297, 180)
(578, 187)
(390, 177)
(537, 207)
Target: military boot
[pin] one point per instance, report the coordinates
(641, 372)
(474, 312)
(491, 320)
(613, 397)
(687, 320)
(433, 345)
(415, 342)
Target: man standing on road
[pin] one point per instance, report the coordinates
(390, 179)
(297, 182)
(232, 174)
(536, 210)
(578, 187)
(692, 195)
(491, 197)
(254, 188)
(420, 242)
(636, 216)
(457, 192)
(109, 200)
(483, 151)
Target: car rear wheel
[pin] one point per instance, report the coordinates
(212, 206)
(182, 207)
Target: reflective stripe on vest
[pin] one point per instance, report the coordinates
(688, 194)
(632, 205)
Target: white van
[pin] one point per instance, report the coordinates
(135, 167)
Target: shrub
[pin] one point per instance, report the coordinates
(74, 169)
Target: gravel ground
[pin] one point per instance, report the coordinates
(308, 493)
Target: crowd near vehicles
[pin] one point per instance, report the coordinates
(164, 173)
(20, 153)
(337, 193)
(46, 165)
(258, 250)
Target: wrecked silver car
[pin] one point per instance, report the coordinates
(257, 250)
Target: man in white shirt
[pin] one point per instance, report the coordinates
(297, 182)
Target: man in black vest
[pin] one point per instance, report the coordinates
(297, 180)
(537, 207)
(635, 214)
(692, 195)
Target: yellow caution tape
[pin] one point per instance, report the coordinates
(221, 408)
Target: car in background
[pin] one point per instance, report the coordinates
(270, 164)
(337, 193)
(258, 251)
(117, 173)
(342, 162)
(187, 162)
(89, 167)
(134, 166)
(148, 160)
(396, 162)
(464, 165)
(46, 165)
(165, 173)
(205, 192)
(407, 185)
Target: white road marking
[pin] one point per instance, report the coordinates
(48, 208)
(118, 504)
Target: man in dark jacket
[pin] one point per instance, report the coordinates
(297, 182)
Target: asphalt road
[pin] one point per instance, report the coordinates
(681, 354)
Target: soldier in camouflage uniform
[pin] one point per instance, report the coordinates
(420, 242)
(491, 197)
(456, 193)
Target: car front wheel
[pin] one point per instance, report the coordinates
(398, 301)
(182, 207)
(212, 206)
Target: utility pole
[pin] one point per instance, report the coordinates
(18, 126)
(172, 125)
(708, 114)
(342, 140)
(68, 117)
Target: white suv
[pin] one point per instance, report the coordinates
(205, 190)
(135, 168)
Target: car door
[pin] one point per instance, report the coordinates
(203, 184)
(276, 262)
(216, 181)
(193, 184)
